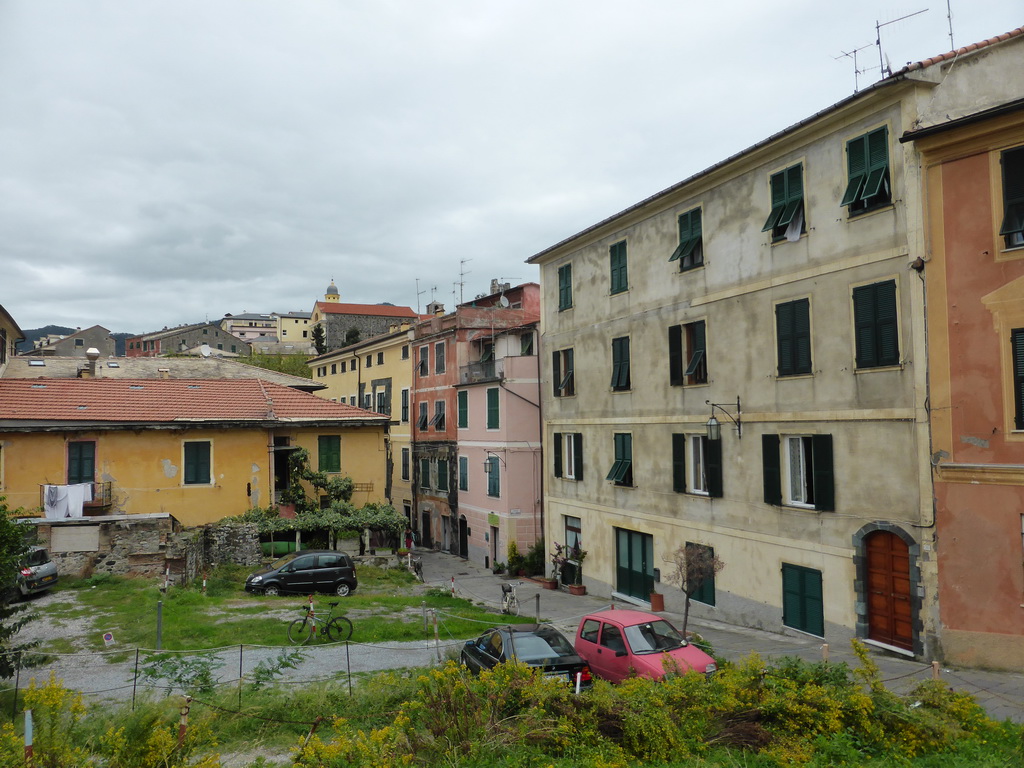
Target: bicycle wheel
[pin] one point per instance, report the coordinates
(513, 605)
(339, 629)
(299, 631)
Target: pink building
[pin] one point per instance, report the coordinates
(476, 430)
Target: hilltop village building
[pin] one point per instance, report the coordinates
(341, 321)
(739, 362)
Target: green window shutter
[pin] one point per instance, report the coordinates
(1012, 161)
(878, 162)
(425, 473)
(675, 355)
(713, 467)
(778, 195)
(463, 473)
(824, 477)
(794, 195)
(493, 478)
(856, 169)
(329, 450)
(197, 463)
(814, 604)
(679, 463)
(619, 271)
(569, 376)
(577, 455)
(81, 461)
(888, 332)
(556, 373)
(875, 325)
(463, 407)
(687, 252)
(698, 353)
(1017, 347)
(772, 469)
(558, 454)
(620, 363)
(493, 414)
(785, 332)
(565, 286)
(442, 474)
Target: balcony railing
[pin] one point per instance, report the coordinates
(482, 371)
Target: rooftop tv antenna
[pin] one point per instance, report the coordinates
(857, 71)
(462, 276)
(882, 59)
(949, 19)
(418, 294)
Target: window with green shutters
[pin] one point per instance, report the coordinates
(875, 328)
(705, 593)
(438, 422)
(424, 360)
(493, 413)
(803, 606)
(793, 337)
(786, 219)
(329, 452)
(493, 477)
(425, 474)
(619, 271)
(1012, 227)
(798, 471)
(439, 358)
(563, 374)
(1017, 349)
(197, 462)
(620, 363)
(463, 409)
(687, 354)
(621, 472)
(421, 422)
(867, 169)
(565, 286)
(442, 474)
(81, 461)
(463, 473)
(405, 405)
(690, 251)
(405, 463)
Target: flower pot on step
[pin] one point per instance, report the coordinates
(577, 589)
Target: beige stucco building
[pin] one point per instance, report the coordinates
(779, 291)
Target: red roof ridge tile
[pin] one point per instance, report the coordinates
(959, 51)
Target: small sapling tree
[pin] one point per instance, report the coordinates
(693, 566)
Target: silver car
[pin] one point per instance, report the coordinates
(37, 573)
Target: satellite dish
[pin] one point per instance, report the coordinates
(503, 300)
(205, 350)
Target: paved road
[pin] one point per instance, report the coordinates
(112, 675)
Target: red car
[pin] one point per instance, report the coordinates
(619, 644)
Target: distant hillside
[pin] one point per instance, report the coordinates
(31, 334)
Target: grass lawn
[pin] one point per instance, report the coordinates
(388, 606)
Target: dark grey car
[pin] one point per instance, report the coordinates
(305, 572)
(37, 573)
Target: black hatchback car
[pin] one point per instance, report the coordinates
(305, 572)
(536, 645)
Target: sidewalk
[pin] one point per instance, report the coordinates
(1000, 693)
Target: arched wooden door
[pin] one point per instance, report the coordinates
(888, 590)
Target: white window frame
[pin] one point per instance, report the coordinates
(696, 465)
(568, 456)
(792, 496)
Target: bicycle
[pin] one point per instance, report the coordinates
(335, 628)
(509, 601)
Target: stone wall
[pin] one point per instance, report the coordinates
(145, 545)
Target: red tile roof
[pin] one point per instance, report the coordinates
(374, 310)
(960, 51)
(166, 401)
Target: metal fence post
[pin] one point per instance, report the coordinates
(536, 607)
(240, 647)
(135, 678)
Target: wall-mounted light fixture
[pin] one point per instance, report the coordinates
(493, 455)
(714, 427)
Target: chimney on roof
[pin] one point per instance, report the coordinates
(435, 308)
(92, 355)
(165, 373)
(497, 286)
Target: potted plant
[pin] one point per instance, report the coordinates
(564, 555)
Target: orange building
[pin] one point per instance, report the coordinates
(974, 227)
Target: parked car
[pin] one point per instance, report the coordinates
(37, 574)
(536, 645)
(305, 572)
(618, 644)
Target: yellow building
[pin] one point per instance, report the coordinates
(198, 449)
(376, 375)
(10, 334)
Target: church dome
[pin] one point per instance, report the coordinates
(332, 289)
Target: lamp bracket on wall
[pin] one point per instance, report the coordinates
(714, 427)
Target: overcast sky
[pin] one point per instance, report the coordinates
(169, 162)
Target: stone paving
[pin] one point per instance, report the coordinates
(1001, 693)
